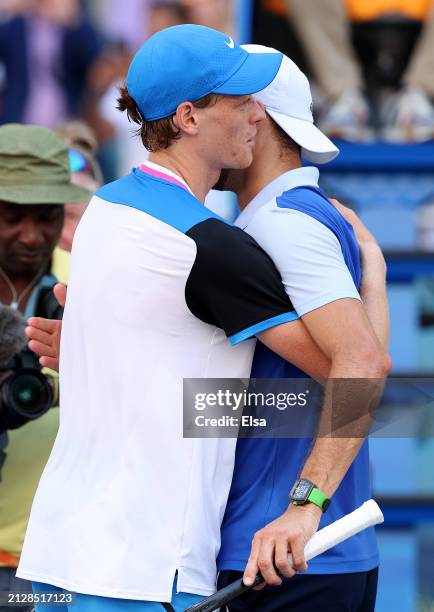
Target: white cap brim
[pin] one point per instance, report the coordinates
(316, 147)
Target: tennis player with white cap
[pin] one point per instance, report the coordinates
(317, 254)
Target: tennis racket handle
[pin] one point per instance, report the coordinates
(224, 596)
(367, 515)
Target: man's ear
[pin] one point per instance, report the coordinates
(186, 118)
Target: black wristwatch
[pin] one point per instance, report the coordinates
(304, 491)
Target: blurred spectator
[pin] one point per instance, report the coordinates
(14, 7)
(325, 36)
(34, 184)
(85, 172)
(46, 48)
(215, 14)
(119, 149)
(129, 28)
(145, 17)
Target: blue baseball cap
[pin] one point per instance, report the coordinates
(187, 62)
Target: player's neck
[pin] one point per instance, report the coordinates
(264, 170)
(192, 169)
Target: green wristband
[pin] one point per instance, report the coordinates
(317, 497)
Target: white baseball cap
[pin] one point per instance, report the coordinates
(288, 100)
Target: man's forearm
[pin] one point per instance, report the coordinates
(351, 398)
(331, 458)
(329, 461)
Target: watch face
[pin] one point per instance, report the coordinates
(302, 490)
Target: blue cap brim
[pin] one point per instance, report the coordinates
(254, 74)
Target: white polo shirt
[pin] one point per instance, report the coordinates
(298, 227)
(157, 285)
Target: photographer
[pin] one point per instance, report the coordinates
(34, 185)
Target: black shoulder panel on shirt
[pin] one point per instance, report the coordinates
(233, 283)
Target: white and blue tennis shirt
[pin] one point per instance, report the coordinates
(157, 284)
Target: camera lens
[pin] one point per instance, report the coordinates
(29, 394)
(26, 394)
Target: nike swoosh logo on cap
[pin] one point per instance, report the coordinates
(230, 43)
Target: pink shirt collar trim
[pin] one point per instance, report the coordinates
(162, 175)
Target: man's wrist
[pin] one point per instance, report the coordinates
(309, 508)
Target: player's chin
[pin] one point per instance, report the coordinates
(243, 159)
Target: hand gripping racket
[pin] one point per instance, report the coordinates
(367, 515)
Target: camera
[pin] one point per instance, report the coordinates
(25, 392)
